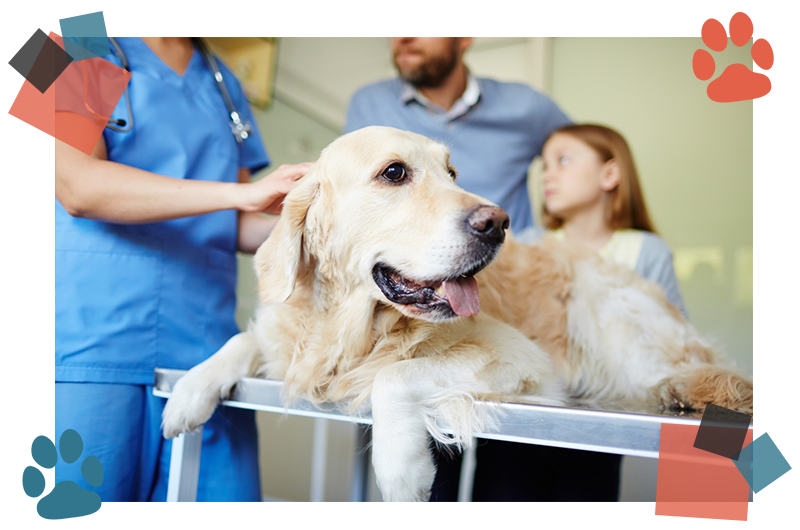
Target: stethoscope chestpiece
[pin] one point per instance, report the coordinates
(241, 129)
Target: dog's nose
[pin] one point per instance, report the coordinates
(488, 223)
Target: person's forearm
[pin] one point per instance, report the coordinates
(99, 189)
(254, 229)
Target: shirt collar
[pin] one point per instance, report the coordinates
(467, 100)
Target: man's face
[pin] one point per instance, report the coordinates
(425, 61)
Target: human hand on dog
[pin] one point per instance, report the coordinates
(266, 195)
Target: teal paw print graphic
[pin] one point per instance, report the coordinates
(41, 497)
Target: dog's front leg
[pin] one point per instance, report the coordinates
(197, 393)
(404, 469)
(409, 398)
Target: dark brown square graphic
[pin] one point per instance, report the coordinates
(722, 431)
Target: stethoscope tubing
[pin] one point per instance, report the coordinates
(240, 129)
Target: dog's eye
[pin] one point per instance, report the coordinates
(452, 174)
(395, 173)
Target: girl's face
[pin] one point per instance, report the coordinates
(575, 178)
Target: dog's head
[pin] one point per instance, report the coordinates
(380, 213)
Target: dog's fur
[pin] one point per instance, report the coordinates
(555, 322)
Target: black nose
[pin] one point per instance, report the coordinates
(489, 223)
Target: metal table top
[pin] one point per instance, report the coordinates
(633, 433)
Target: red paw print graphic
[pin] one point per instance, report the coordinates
(737, 82)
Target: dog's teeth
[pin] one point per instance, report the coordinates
(440, 290)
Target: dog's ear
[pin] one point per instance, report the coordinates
(278, 258)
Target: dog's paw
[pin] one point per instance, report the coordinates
(672, 397)
(689, 393)
(737, 394)
(404, 487)
(404, 481)
(190, 405)
(402, 494)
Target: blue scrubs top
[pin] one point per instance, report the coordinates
(133, 297)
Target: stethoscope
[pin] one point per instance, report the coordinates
(241, 129)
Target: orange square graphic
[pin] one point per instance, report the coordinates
(86, 95)
(695, 483)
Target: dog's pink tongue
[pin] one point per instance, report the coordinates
(462, 294)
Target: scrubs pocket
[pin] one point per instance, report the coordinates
(107, 312)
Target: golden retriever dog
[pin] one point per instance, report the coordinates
(385, 285)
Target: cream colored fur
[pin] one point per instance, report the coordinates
(555, 320)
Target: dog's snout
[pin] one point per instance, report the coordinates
(489, 223)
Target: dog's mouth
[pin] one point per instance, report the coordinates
(455, 295)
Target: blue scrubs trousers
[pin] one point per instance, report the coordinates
(120, 424)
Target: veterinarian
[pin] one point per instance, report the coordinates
(147, 229)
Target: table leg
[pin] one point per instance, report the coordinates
(360, 486)
(467, 480)
(184, 466)
(319, 460)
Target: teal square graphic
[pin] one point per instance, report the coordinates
(85, 36)
(772, 463)
(85, 23)
(761, 463)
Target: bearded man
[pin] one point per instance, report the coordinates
(494, 130)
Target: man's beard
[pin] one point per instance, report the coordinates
(433, 71)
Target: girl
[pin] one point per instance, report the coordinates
(592, 197)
